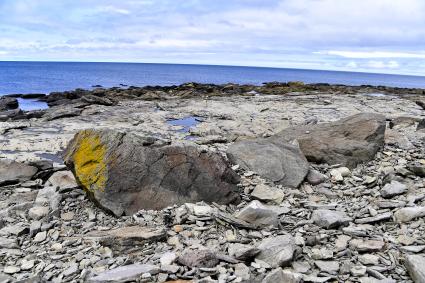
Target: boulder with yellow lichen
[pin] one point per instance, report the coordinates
(125, 173)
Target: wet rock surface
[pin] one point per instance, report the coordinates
(52, 231)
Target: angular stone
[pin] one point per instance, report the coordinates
(7, 243)
(277, 251)
(418, 169)
(282, 276)
(415, 265)
(242, 252)
(366, 245)
(62, 180)
(12, 172)
(242, 271)
(330, 267)
(348, 142)
(125, 173)
(126, 238)
(268, 194)
(407, 214)
(125, 273)
(198, 258)
(276, 161)
(62, 112)
(330, 219)
(258, 214)
(314, 177)
(38, 212)
(40, 237)
(8, 103)
(393, 189)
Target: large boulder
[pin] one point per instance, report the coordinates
(348, 142)
(125, 173)
(277, 161)
(12, 172)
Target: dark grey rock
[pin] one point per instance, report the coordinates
(12, 172)
(277, 251)
(348, 142)
(8, 103)
(276, 161)
(330, 218)
(198, 258)
(125, 173)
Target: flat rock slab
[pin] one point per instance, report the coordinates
(277, 161)
(127, 237)
(350, 141)
(277, 251)
(13, 172)
(127, 273)
(415, 265)
(125, 173)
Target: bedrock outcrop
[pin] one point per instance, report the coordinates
(125, 173)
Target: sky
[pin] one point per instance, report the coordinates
(384, 36)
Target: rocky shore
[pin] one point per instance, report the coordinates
(284, 182)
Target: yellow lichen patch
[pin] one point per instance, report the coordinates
(89, 162)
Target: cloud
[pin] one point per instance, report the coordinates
(356, 35)
(374, 54)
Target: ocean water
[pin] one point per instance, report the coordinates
(45, 77)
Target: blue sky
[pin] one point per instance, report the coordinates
(386, 36)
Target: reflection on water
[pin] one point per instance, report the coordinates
(31, 104)
(186, 123)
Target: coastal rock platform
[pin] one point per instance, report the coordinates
(361, 219)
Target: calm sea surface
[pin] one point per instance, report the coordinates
(45, 77)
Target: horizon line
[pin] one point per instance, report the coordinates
(212, 65)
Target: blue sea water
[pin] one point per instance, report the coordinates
(45, 77)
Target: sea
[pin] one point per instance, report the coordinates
(46, 77)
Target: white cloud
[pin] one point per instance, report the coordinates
(383, 65)
(113, 9)
(373, 54)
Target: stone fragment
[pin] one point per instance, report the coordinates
(350, 141)
(62, 180)
(330, 267)
(258, 214)
(268, 194)
(198, 258)
(417, 168)
(407, 214)
(330, 219)
(277, 161)
(10, 269)
(8, 103)
(8, 243)
(62, 112)
(358, 270)
(125, 238)
(38, 212)
(374, 219)
(322, 253)
(314, 177)
(242, 252)
(125, 273)
(242, 271)
(369, 259)
(415, 265)
(277, 251)
(279, 275)
(338, 174)
(67, 216)
(40, 237)
(168, 258)
(366, 245)
(393, 189)
(12, 172)
(125, 173)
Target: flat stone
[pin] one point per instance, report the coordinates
(35, 227)
(358, 270)
(322, 253)
(242, 252)
(67, 216)
(17, 230)
(242, 271)
(393, 189)
(415, 265)
(268, 194)
(369, 259)
(330, 218)
(11, 269)
(62, 180)
(277, 251)
(12, 172)
(258, 214)
(279, 275)
(125, 238)
(407, 214)
(367, 245)
(277, 161)
(8, 243)
(27, 264)
(374, 219)
(125, 273)
(38, 212)
(330, 267)
(198, 258)
(168, 258)
(40, 237)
